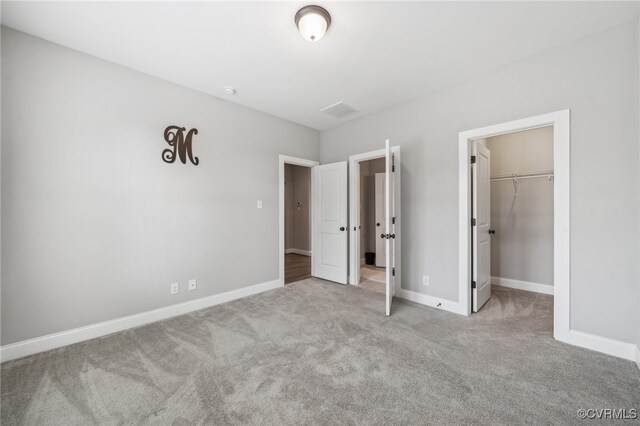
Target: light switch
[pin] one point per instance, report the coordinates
(259, 204)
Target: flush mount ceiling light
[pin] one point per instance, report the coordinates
(313, 22)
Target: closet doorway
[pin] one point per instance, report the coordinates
(482, 219)
(512, 214)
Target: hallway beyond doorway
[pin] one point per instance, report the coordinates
(296, 267)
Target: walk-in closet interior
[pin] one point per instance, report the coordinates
(522, 185)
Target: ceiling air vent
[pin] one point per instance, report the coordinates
(339, 110)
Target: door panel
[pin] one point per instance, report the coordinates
(481, 238)
(329, 253)
(381, 219)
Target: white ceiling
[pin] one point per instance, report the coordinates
(376, 54)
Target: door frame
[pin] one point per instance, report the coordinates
(354, 212)
(282, 160)
(560, 121)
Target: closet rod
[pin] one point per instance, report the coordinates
(548, 174)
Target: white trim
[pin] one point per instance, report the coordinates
(354, 212)
(601, 344)
(425, 299)
(638, 356)
(297, 251)
(68, 337)
(561, 158)
(282, 160)
(522, 285)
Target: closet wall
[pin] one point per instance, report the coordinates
(522, 247)
(297, 190)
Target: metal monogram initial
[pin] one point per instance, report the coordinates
(181, 145)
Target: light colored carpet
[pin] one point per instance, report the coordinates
(320, 353)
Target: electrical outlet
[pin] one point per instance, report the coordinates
(193, 284)
(425, 280)
(259, 204)
(175, 288)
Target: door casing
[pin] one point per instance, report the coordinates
(560, 121)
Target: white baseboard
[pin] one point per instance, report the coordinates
(602, 344)
(297, 251)
(522, 285)
(64, 338)
(427, 300)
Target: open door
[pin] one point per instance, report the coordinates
(481, 224)
(329, 234)
(390, 224)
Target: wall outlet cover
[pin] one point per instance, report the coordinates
(175, 288)
(425, 280)
(193, 284)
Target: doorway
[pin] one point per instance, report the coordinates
(327, 208)
(297, 223)
(295, 237)
(560, 124)
(365, 235)
(372, 225)
(512, 215)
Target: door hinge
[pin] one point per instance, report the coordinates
(393, 168)
(393, 272)
(393, 220)
(473, 222)
(473, 159)
(473, 284)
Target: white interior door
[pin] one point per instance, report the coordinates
(481, 224)
(329, 260)
(381, 220)
(390, 223)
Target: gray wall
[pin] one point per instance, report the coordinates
(597, 78)
(95, 225)
(522, 247)
(297, 184)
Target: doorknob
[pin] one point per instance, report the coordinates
(377, 224)
(492, 231)
(382, 236)
(342, 228)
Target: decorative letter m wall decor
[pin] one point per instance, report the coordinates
(180, 145)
